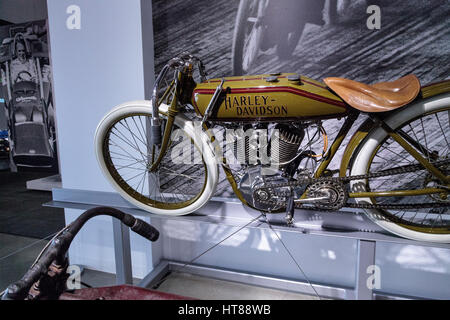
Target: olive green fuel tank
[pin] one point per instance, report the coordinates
(269, 98)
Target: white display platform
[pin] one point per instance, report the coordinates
(45, 184)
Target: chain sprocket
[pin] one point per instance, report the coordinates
(333, 189)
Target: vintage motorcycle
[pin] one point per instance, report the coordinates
(266, 132)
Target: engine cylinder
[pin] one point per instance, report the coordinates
(289, 142)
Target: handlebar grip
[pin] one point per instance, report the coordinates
(15, 291)
(144, 229)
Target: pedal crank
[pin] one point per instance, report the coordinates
(290, 210)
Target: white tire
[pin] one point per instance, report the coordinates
(362, 161)
(199, 138)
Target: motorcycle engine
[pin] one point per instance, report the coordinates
(256, 177)
(287, 142)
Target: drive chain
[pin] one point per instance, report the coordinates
(272, 188)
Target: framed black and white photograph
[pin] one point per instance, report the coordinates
(26, 95)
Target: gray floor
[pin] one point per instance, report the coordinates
(21, 210)
(205, 288)
(200, 287)
(25, 226)
(18, 253)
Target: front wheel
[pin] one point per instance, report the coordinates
(426, 125)
(184, 180)
(248, 34)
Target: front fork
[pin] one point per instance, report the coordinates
(155, 121)
(165, 140)
(157, 139)
(183, 66)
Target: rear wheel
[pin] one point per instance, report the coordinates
(183, 181)
(427, 124)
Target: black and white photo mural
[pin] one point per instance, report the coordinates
(367, 41)
(363, 40)
(26, 95)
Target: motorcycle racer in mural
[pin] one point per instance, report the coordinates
(265, 27)
(267, 24)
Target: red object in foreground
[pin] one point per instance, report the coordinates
(122, 292)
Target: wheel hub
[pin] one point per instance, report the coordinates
(432, 182)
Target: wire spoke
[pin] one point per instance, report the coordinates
(442, 130)
(135, 147)
(429, 131)
(142, 134)
(172, 182)
(134, 136)
(120, 147)
(427, 154)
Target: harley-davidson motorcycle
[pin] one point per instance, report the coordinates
(266, 132)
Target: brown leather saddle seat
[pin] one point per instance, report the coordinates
(379, 97)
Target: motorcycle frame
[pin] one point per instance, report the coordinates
(351, 149)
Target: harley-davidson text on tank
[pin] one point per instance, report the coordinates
(255, 97)
(254, 105)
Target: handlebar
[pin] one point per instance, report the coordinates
(184, 63)
(56, 251)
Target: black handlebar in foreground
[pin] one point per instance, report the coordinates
(56, 251)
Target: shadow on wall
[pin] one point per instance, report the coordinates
(260, 251)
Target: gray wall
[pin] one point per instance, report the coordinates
(95, 68)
